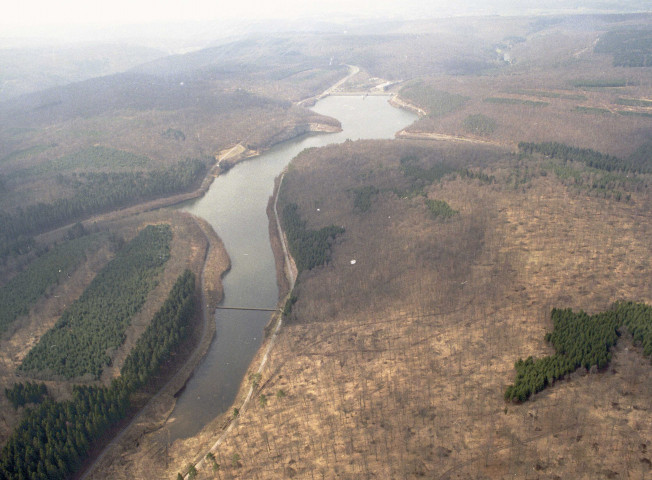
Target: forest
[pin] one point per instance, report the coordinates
(421, 176)
(23, 393)
(440, 209)
(19, 294)
(92, 158)
(53, 438)
(94, 192)
(310, 248)
(363, 197)
(165, 332)
(479, 124)
(581, 341)
(80, 342)
(516, 101)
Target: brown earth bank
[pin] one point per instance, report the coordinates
(395, 366)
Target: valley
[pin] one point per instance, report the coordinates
(431, 260)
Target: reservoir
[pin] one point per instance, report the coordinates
(235, 205)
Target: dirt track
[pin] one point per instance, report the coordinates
(449, 138)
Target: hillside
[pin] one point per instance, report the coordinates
(395, 355)
(395, 366)
(35, 68)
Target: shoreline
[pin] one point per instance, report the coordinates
(399, 102)
(232, 160)
(176, 199)
(149, 422)
(158, 408)
(222, 425)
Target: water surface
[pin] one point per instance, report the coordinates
(235, 205)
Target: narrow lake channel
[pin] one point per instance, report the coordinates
(235, 206)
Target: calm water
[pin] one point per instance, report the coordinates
(235, 206)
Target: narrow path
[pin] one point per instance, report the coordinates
(254, 309)
(288, 263)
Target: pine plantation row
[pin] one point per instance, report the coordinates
(95, 324)
(53, 438)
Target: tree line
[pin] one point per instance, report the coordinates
(581, 341)
(53, 438)
(629, 47)
(94, 192)
(92, 326)
(591, 158)
(165, 332)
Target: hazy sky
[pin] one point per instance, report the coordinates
(39, 12)
(21, 17)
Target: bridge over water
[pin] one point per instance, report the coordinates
(250, 309)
